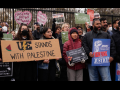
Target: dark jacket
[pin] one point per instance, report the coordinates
(70, 45)
(109, 32)
(52, 63)
(25, 71)
(37, 35)
(116, 38)
(88, 41)
(114, 31)
(62, 60)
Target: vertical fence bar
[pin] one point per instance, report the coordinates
(13, 17)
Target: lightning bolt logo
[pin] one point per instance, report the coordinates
(24, 45)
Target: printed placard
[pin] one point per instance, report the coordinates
(77, 55)
(81, 18)
(64, 36)
(101, 52)
(7, 36)
(117, 74)
(59, 17)
(6, 69)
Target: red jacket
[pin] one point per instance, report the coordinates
(70, 45)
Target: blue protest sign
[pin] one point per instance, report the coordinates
(117, 74)
(101, 52)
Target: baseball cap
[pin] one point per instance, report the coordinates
(36, 23)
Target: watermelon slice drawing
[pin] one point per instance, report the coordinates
(8, 48)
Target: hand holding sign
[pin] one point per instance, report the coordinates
(46, 61)
(23, 17)
(91, 55)
(110, 59)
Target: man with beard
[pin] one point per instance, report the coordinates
(116, 38)
(115, 26)
(87, 44)
(36, 33)
(104, 26)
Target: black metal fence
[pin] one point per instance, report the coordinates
(7, 15)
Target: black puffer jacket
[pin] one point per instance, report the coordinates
(88, 41)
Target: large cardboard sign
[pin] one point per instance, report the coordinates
(81, 18)
(27, 50)
(23, 17)
(77, 55)
(41, 18)
(101, 52)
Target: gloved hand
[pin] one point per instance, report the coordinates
(82, 61)
(71, 64)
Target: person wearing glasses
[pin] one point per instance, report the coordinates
(80, 32)
(47, 68)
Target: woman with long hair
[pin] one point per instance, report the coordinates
(25, 71)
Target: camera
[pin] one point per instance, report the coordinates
(41, 28)
(119, 23)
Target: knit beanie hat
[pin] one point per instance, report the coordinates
(73, 30)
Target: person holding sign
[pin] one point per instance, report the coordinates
(2, 78)
(87, 44)
(74, 70)
(47, 67)
(24, 71)
(65, 27)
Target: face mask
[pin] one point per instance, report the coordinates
(24, 32)
(4, 29)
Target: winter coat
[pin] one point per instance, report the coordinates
(70, 45)
(88, 42)
(37, 35)
(116, 38)
(114, 31)
(25, 71)
(52, 63)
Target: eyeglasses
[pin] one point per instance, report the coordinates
(24, 28)
(66, 27)
(49, 32)
(80, 29)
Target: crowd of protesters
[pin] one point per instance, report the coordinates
(61, 69)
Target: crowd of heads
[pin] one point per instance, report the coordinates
(97, 24)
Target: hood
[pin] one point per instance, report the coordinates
(71, 40)
(69, 36)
